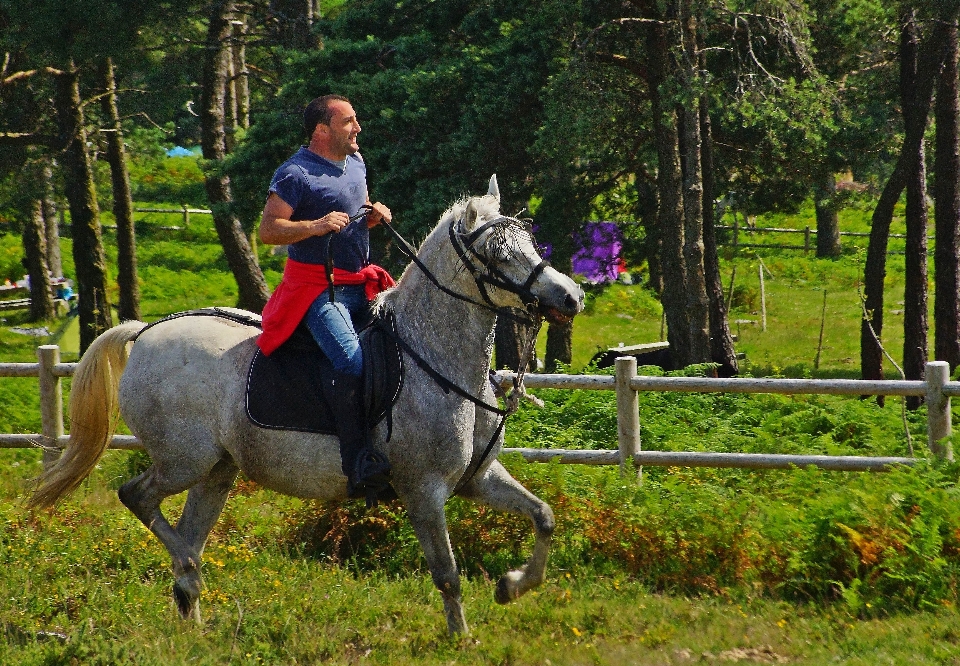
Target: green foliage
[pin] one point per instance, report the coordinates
(11, 257)
(447, 94)
(174, 180)
(788, 136)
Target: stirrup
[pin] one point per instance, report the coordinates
(371, 476)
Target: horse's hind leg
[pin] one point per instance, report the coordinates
(205, 502)
(498, 490)
(143, 496)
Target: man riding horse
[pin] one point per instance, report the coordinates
(318, 206)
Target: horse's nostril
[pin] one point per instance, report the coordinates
(570, 302)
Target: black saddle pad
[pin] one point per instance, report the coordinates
(284, 390)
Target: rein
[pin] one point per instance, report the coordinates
(512, 399)
(495, 278)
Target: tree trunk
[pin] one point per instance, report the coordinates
(129, 305)
(670, 218)
(51, 222)
(828, 223)
(508, 341)
(915, 287)
(721, 341)
(252, 287)
(946, 254)
(559, 346)
(292, 24)
(647, 209)
(230, 106)
(240, 71)
(918, 70)
(697, 302)
(915, 113)
(88, 255)
(875, 271)
(35, 259)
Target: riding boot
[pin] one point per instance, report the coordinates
(367, 470)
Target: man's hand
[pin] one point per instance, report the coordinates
(330, 223)
(378, 214)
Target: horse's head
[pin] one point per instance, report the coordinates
(502, 257)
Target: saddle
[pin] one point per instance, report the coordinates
(284, 389)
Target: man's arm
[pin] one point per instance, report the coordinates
(276, 227)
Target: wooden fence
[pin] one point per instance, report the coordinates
(183, 211)
(808, 234)
(936, 389)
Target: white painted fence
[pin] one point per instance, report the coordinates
(936, 389)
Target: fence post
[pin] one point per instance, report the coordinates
(736, 230)
(806, 238)
(938, 409)
(186, 216)
(763, 302)
(51, 402)
(628, 410)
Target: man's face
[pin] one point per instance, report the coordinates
(343, 128)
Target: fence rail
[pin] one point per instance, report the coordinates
(807, 232)
(184, 211)
(936, 389)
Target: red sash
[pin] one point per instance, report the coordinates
(299, 288)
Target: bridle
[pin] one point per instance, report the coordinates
(491, 275)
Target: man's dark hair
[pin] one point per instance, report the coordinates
(318, 111)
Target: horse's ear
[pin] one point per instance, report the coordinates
(470, 216)
(494, 189)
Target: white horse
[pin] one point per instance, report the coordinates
(180, 389)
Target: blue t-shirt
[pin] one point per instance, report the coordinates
(314, 186)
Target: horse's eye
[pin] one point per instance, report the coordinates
(499, 250)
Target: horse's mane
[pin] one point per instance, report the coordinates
(487, 206)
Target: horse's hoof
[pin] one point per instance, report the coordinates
(186, 593)
(505, 593)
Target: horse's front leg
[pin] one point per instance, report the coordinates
(425, 509)
(498, 490)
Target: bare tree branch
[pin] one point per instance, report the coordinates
(26, 139)
(622, 62)
(17, 76)
(620, 21)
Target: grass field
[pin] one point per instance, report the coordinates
(692, 566)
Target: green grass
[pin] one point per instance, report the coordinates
(94, 574)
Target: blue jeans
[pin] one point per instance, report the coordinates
(332, 326)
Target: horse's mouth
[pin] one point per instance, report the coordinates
(554, 316)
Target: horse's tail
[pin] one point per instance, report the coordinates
(93, 414)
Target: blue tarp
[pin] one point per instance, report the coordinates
(180, 151)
